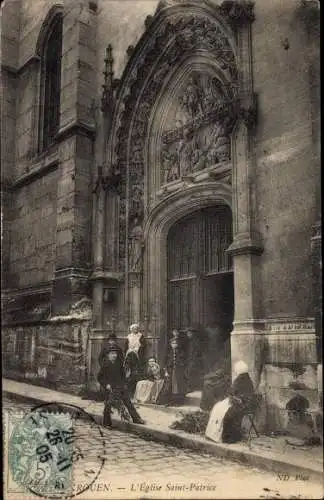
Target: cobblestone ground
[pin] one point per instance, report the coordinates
(137, 468)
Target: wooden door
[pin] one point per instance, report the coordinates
(196, 255)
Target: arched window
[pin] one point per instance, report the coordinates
(50, 83)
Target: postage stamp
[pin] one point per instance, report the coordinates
(49, 454)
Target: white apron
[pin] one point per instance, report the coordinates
(214, 429)
(143, 391)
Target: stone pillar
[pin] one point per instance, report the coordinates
(76, 137)
(98, 256)
(310, 15)
(246, 337)
(135, 279)
(316, 248)
(106, 274)
(10, 32)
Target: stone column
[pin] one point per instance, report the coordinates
(98, 256)
(246, 337)
(135, 279)
(106, 274)
(316, 249)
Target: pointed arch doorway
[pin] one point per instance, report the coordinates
(200, 279)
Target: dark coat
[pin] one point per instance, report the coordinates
(112, 374)
(243, 400)
(242, 393)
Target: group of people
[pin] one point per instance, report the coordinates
(129, 374)
(129, 377)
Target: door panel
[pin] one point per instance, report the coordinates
(196, 256)
(181, 303)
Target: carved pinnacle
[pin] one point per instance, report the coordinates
(238, 12)
(109, 82)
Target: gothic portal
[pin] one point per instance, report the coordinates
(170, 218)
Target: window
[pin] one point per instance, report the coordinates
(51, 83)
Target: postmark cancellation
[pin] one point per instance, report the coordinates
(48, 454)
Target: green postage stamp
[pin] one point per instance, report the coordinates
(48, 454)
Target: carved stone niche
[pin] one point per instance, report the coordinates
(196, 133)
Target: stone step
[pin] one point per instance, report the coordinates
(193, 399)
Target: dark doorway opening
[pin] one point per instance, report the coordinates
(200, 283)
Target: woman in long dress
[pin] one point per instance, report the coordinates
(196, 346)
(225, 420)
(174, 389)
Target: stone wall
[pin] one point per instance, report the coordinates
(32, 19)
(9, 61)
(32, 232)
(76, 153)
(287, 168)
(50, 353)
(289, 375)
(32, 16)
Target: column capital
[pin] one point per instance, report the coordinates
(108, 177)
(248, 110)
(245, 243)
(108, 277)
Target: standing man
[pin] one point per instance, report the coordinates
(112, 380)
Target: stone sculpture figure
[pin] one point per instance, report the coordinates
(191, 99)
(136, 246)
(136, 208)
(185, 152)
(222, 142)
(170, 166)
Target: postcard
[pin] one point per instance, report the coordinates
(161, 249)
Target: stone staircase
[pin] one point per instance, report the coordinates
(190, 405)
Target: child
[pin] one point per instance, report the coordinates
(111, 378)
(134, 357)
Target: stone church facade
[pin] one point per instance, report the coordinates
(161, 165)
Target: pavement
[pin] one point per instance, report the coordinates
(268, 453)
(135, 469)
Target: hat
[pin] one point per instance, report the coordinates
(240, 367)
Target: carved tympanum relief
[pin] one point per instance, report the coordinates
(195, 135)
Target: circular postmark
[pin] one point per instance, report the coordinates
(56, 451)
